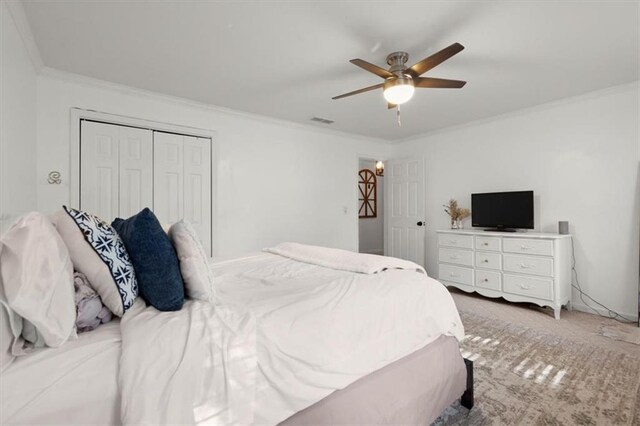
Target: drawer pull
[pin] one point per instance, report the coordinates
(454, 275)
(525, 266)
(485, 244)
(523, 247)
(454, 257)
(486, 280)
(453, 242)
(485, 261)
(524, 287)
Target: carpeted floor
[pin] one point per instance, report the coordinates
(533, 370)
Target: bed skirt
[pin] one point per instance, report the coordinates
(414, 390)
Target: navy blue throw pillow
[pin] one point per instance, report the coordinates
(154, 260)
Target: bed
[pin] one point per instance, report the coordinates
(287, 342)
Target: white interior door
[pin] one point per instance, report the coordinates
(168, 177)
(404, 209)
(136, 170)
(99, 169)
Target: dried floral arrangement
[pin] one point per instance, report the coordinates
(455, 212)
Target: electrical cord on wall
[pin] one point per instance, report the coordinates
(610, 312)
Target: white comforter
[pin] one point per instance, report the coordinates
(194, 366)
(282, 335)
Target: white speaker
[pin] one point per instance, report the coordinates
(563, 227)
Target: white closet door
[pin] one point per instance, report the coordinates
(168, 177)
(197, 187)
(136, 170)
(182, 182)
(99, 160)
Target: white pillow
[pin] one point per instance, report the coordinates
(197, 277)
(11, 342)
(98, 252)
(37, 279)
(6, 338)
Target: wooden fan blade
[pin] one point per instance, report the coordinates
(357, 92)
(435, 59)
(391, 106)
(438, 83)
(380, 72)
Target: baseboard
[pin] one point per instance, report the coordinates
(584, 308)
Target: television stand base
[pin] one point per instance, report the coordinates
(500, 230)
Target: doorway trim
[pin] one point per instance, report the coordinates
(373, 159)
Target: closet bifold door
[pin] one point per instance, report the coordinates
(168, 177)
(182, 182)
(136, 170)
(116, 170)
(197, 187)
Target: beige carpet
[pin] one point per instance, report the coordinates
(532, 369)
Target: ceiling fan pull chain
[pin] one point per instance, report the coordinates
(398, 114)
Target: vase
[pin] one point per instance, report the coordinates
(454, 224)
(460, 224)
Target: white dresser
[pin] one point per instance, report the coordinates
(519, 267)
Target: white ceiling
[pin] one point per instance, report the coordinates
(287, 59)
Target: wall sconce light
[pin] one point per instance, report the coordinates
(379, 168)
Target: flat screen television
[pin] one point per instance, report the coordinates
(502, 211)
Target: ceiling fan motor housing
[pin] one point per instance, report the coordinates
(397, 62)
(397, 58)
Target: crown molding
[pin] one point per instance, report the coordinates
(528, 110)
(17, 13)
(121, 88)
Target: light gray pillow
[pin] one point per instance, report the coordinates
(194, 268)
(6, 337)
(37, 280)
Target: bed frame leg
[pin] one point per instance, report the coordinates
(467, 397)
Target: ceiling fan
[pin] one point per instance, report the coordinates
(400, 81)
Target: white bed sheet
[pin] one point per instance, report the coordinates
(73, 384)
(320, 329)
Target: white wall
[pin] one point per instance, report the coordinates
(580, 156)
(371, 230)
(276, 181)
(18, 98)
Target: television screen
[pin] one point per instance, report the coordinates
(502, 210)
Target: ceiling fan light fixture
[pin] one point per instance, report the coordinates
(398, 90)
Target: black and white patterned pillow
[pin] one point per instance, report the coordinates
(106, 242)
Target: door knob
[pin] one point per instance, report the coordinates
(421, 223)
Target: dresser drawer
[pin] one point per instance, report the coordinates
(456, 274)
(528, 246)
(489, 279)
(452, 240)
(540, 288)
(488, 243)
(457, 256)
(542, 266)
(488, 260)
